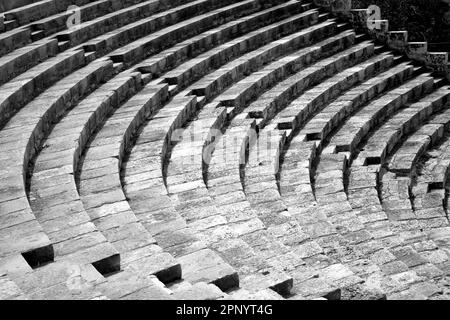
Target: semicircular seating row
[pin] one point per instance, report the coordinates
(216, 149)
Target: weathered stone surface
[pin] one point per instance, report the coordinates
(219, 150)
(199, 291)
(207, 266)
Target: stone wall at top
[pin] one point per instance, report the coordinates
(6, 5)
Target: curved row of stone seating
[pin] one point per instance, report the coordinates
(28, 56)
(179, 239)
(405, 159)
(32, 84)
(363, 197)
(410, 249)
(23, 88)
(30, 93)
(383, 142)
(423, 271)
(274, 100)
(13, 4)
(188, 71)
(342, 145)
(24, 58)
(205, 9)
(47, 160)
(238, 133)
(220, 228)
(32, 122)
(397, 183)
(195, 172)
(344, 142)
(156, 149)
(61, 152)
(402, 239)
(73, 15)
(229, 229)
(70, 281)
(308, 79)
(150, 44)
(262, 168)
(64, 145)
(223, 77)
(49, 21)
(295, 178)
(325, 199)
(170, 58)
(314, 132)
(303, 108)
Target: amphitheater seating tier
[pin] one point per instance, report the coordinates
(211, 149)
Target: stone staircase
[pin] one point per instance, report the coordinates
(238, 149)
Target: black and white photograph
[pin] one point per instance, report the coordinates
(226, 157)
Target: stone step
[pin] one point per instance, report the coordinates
(23, 88)
(9, 290)
(206, 149)
(23, 59)
(382, 142)
(348, 74)
(207, 61)
(93, 28)
(83, 10)
(153, 43)
(159, 63)
(40, 9)
(198, 291)
(360, 124)
(14, 39)
(17, 37)
(51, 103)
(234, 71)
